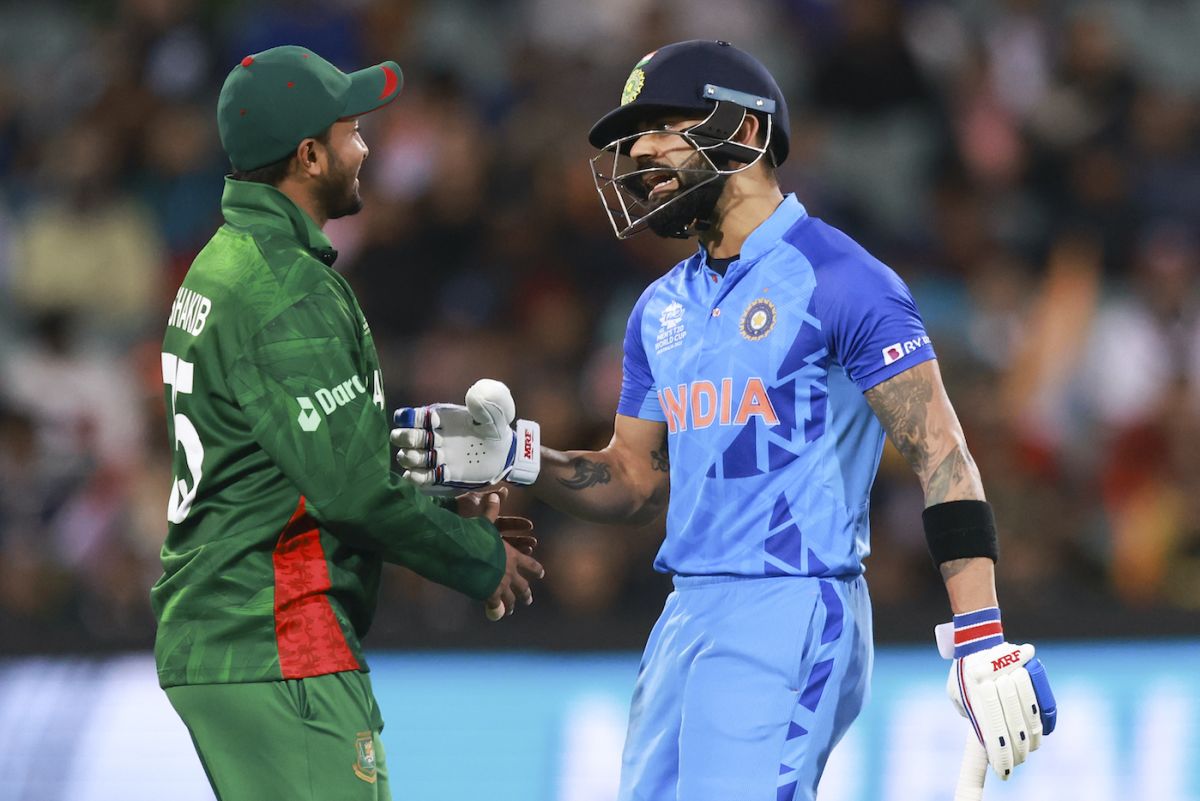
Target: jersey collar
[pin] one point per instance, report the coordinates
(768, 233)
(763, 238)
(248, 204)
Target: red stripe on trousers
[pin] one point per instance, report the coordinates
(307, 632)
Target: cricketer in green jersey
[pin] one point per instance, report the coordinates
(283, 503)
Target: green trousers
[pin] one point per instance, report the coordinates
(313, 739)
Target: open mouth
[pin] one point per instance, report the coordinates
(660, 183)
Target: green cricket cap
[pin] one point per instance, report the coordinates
(275, 99)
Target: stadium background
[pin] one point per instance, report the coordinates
(1032, 169)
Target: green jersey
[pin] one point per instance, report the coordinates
(283, 502)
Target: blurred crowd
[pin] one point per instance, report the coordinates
(1032, 169)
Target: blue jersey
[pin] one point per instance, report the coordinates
(759, 376)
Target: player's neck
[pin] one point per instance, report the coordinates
(307, 203)
(744, 206)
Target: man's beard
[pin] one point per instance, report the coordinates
(338, 195)
(692, 205)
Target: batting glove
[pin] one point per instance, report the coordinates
(448, 448)
(1000, 687)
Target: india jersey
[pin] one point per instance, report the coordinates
(759, 376)
(283, 503)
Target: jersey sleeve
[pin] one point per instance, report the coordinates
(870, 320)
(300, 381)
(639, 394)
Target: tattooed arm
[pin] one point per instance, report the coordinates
(626, 482)
(921, 423)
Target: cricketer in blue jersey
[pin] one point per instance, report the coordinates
(761, 376)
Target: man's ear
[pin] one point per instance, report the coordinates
(748, 133)
(309, 158)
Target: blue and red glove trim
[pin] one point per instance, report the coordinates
(977, 631)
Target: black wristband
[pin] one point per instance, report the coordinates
(960, 530)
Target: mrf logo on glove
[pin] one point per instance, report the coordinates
(1006, 660)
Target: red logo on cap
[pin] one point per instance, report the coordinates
(390, 81)
(247, 61)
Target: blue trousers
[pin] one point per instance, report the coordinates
(745, 687)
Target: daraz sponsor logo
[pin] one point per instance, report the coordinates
(331, 400)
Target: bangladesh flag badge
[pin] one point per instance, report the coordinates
(364, 765)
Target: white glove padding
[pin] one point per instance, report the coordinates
(993, 689)
(448, 448)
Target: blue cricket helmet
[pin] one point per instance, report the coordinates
(698, 76)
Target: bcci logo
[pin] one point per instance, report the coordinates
(633, 86)
(637, 79)
(364, 765)
(758, 319)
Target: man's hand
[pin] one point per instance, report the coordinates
(518, 548)
(514, 586)
(999, 687)
(513, 530)
(446, 447)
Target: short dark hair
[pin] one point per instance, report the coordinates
(273, 174)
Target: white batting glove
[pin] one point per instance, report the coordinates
(1000, 687)
(447, 448)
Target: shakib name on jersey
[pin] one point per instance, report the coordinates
(189, 311)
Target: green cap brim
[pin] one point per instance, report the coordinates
(373, 88)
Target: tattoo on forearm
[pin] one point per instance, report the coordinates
(924, 430)
(951, 473)
(587, 474)
(660, 460)
(902, 406)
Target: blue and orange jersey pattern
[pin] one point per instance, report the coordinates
(759, 377)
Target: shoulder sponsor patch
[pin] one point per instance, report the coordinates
(896, 352)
